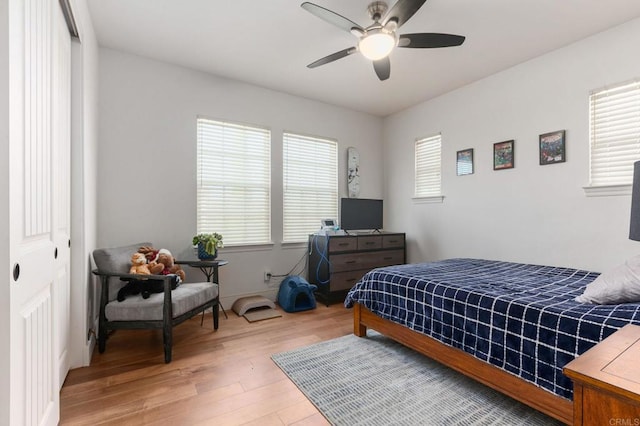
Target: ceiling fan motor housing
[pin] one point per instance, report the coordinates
(377, 9)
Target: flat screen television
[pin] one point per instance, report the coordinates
(360, 214)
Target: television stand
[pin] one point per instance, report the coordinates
(337, 262)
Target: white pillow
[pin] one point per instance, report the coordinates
(619, 285)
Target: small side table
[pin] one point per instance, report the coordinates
(606, 381)
(210, 269)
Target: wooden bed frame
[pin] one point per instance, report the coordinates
(500, 380)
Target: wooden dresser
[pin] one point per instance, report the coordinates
(337, 262)
(606, 381)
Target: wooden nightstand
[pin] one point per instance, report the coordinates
(606, 381)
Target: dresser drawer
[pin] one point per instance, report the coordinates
(338, 244)
(347, 262)
(366, 260)
(383, 258)
(370, 242)
(392, 241)
(345, 280)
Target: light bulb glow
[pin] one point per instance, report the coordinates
(376, 45)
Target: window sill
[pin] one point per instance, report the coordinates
(436, 199)
(607, 190)
(247, 247)
(294, 244)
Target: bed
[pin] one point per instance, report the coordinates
(511, 326)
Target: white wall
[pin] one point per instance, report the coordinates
(84, 141)
(532, 213)
(147, 158)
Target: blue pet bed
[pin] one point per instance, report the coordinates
(296, 294)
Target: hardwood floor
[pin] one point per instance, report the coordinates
(225, 377)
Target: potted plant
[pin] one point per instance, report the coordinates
(208, 245)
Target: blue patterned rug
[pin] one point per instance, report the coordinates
(376, 381)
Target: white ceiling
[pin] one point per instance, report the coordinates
(269, 42)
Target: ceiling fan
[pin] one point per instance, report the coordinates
(377, 40)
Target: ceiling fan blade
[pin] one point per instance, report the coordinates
(382, 68)
(429, 40)
(402, 11)
(333, 57)
(331, 17)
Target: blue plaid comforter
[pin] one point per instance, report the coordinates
(521, 318)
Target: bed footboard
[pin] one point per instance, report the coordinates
(519, 389)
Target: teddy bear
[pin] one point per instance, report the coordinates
(139, 264)
(145, 286)
(149, 252)
(133, 286)
(151, 255)
(161, 262)
(146, 262)
(166, 258)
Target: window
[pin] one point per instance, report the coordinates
(234, 181)
(310, 184)
(614, 134)
(428, 178)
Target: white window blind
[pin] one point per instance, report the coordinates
(428, 177)
(615, 134)
(234, 181)
(310, 184)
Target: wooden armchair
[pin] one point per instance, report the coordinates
(160, 310)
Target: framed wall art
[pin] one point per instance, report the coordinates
(503, 155)
(552, 148)
(464, 162)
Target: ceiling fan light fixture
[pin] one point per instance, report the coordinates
(377, 44)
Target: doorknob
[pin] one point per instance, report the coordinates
(16, 272)
(55, 253)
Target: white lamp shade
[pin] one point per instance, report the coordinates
(376, 45)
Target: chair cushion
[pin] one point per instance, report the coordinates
(184, 298)
(116, 259)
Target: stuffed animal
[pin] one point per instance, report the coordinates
(143, 287)
(148, 261)
(139, 264)
(161, 262)
(151, 255)
(149, 252)
(165, 258)
(132, 287)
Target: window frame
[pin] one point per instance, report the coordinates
(604, 147)
(228, 183)
(419, 163)
(330, 193)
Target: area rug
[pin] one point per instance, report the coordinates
(260, 314)
(376, 381)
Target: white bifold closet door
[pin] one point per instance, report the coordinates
(39, 209)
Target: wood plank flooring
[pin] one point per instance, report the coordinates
(225, 377)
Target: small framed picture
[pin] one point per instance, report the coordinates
(552, 148)
(503, 155)
(464, 162)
